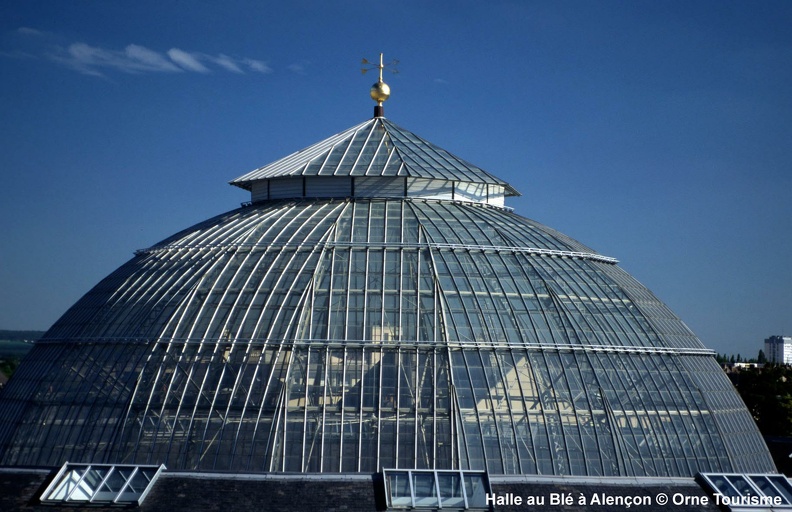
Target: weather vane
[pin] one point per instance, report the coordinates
(379, 91)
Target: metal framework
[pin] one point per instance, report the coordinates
(749, 491)
(101, 484)
(377, 147)
(436, 489)
(355, 334)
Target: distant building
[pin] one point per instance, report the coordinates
(778, 349)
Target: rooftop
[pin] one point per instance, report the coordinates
(377, 147)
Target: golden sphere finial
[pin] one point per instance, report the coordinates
(380, 92)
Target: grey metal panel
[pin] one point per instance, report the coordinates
(298, 161)
(379, 187)
(286, 188)
(328, 186)
(259, 191)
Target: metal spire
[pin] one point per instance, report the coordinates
(380, 91)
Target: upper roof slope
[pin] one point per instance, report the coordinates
(376, 147)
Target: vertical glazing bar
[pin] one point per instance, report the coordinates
(434, 408)
(379, 409)
(436, 480)
(398, 398)
(383, 277)
(362, 395)
(412, 488)
(417, 335)
(350, 257)
(343, 411)
(285, 406)
(400, 322)
(327, 361)
(366, 333)
(331, 270)
(416, 404)
(455, 416)
(307, 373)
(464, 489)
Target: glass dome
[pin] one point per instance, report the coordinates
(376, 306)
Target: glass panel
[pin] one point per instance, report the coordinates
(451, 491)
(66, 485)
(114, 483)
(425, 490)
(399, 489)
(139, 482)
(782, 484)
(722, 485)
(766, 487)
(476, 490)
(742, 485)
(102, 490)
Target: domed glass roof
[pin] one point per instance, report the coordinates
(392, 315)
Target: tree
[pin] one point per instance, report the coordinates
(761, 358)
(767, 393)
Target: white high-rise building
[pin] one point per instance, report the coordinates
(778, 349)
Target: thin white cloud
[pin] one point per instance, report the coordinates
(134, 58)
(148, 60)
(91, 60)
(27, 31)
(227, 63)
(297, 68)
(188, 61)
(258, 66)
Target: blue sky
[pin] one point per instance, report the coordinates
(656, 132)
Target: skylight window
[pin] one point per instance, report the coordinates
(436, 489)
(101, 484)
(748, 491)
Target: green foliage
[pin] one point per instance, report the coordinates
(9, 366)
(767, 392)
(731, 359)
(11, 353)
